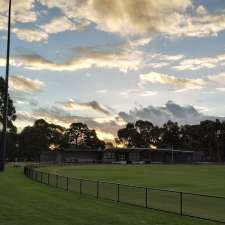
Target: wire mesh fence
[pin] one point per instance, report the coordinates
(185, 204)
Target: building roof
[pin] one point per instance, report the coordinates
(146, 149)
(125, 150)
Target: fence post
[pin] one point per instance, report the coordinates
(80, 186)
(118, 192)
(48, 178)
(41, 176)
(97, 189)
(57, 181)
(67, 183)
(181, 203)
(146, 197)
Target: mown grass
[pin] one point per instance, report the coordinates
(204, 179)
(26, 202)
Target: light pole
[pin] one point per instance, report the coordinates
(5, 110)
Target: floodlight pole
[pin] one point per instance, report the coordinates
(5, 111)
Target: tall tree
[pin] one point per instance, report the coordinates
(53, 133)
(41, 137)
(145, 129)
(78, 135)
(11, 109)
(92, 141)
(32, 142)
(171, 136)
(75, 135)
(130, 137)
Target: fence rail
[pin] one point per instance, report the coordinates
(185, 204)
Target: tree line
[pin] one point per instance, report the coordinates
(43, 136)
(208, 136)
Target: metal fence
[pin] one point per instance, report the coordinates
(185, 204)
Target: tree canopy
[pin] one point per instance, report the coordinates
(78, 135)
(208, 136)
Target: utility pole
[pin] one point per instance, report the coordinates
(5, 111)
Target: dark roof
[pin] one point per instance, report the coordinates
(80, 150)
(145, 149)
(126, 150)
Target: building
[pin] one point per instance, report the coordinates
(122, 156)
(72, 156)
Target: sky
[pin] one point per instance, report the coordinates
(106, 63)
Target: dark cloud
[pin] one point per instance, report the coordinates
(74, 105)
(171, 111)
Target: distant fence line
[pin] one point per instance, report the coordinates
(182, 203)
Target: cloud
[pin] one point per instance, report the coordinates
(30, 35)
(73, 105)
(159, 60)
(184, 84)
(138, 18)
(202, 25)
(201, 63)
(102, 91)
(22, 11)
(23, 84)
(129, 17)
(139, 42)
(222, 89)
(201, 10)
(138, 92)
(21, 99)
(59, 24)
(123, 60)
(3, 22)
(121, 56)
(107, 127)
(171, 111)
(2, 61)
(164, 57)
(106, 130)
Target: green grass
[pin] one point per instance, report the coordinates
(187, 178)
(197, 179)
(26, 202)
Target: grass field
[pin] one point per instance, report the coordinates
(197, 179)
(26, 202)
(187, 178)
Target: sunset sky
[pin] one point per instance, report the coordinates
(108, 62)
